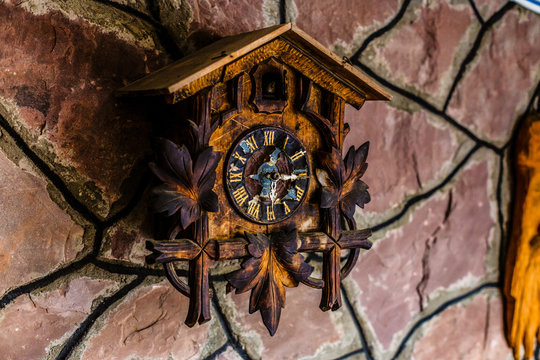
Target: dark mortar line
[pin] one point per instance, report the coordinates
(85, 326)
(474, 49)
(162, 33)
(523, 117)
(476, 12)
(218, 352)
(50, 174)
(498, 196)
(352, 353)
(227, 327)
(282, 12)
(382, 30)
(126, 270)
(439, 310)
(359, 328)
(537, 353)
(428, 106)
(44, 281)
(428, 193)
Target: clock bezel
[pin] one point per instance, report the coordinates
(225, 182)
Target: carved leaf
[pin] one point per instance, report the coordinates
(187, 186)
(340, 180)
(274, 264)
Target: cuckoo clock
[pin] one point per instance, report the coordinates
(251, 167)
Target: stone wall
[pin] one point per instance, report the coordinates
(74, 181)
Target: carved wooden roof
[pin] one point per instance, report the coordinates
(206, 65)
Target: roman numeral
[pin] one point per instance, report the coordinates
(302, 174)
(253, 209)
(252, 143)
(269, 138)
(299, 192)
(235, 177)
(285, 143)
(237, 156)
(287, 210)
(270, 216)
(298, 155)
(240, 195)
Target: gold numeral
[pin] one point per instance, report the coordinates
(235, 176)
(270, 213)
(302, 174)
(299, 193)
(287, 210)
(285, 143)
(237, 156)
(240, 195)
(298, 155)
(253, 209)
(252, 143)
(268, 138)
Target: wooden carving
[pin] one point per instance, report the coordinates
(522, 278)
(272, 102)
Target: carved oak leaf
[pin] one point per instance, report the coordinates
(275, 263)
(340, 180)
(187, 186)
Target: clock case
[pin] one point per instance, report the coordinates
(278, 77)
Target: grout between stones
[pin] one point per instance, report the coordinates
(440, 309)
(218, 352)
(361, 332)
(351, 354)
(474, 49)
(382, 31)
(476, 13)
(85, 326)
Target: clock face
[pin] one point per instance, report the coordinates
(267, 175)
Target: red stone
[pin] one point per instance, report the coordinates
(149, 324)
(421, 53)
(344, 23)
(61, 73)
(304, 330)
(487, 8)
(32, 324)
(36, 235)
(400, 163)
(471, 330)
(229, 354)
(437, 251)
(499, 83)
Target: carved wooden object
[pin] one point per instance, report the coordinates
(252, 167)
(522, 278)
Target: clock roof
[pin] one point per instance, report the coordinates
(198, 67)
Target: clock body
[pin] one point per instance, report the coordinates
(267, 174)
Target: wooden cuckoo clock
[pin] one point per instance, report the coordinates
(251, 167)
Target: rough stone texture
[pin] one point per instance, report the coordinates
(400, 164)
(36, 235)
(60, 74)
(342, 30)
(509, 50)
(149, 324)
(34, 323)
(304, 331)
(229, 354)
(487, 8)
(472, 330)
(423, 51)
(417, 262)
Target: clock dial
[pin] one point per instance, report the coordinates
(267, 174)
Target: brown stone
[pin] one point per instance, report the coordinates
(149, 324)
(344, 24)
(61, 74)
(421, 52)
(442, 248)
(36, 235)
(32, 324)
(473, 330)
(304, 330)
(400, 164)
(499, 83)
